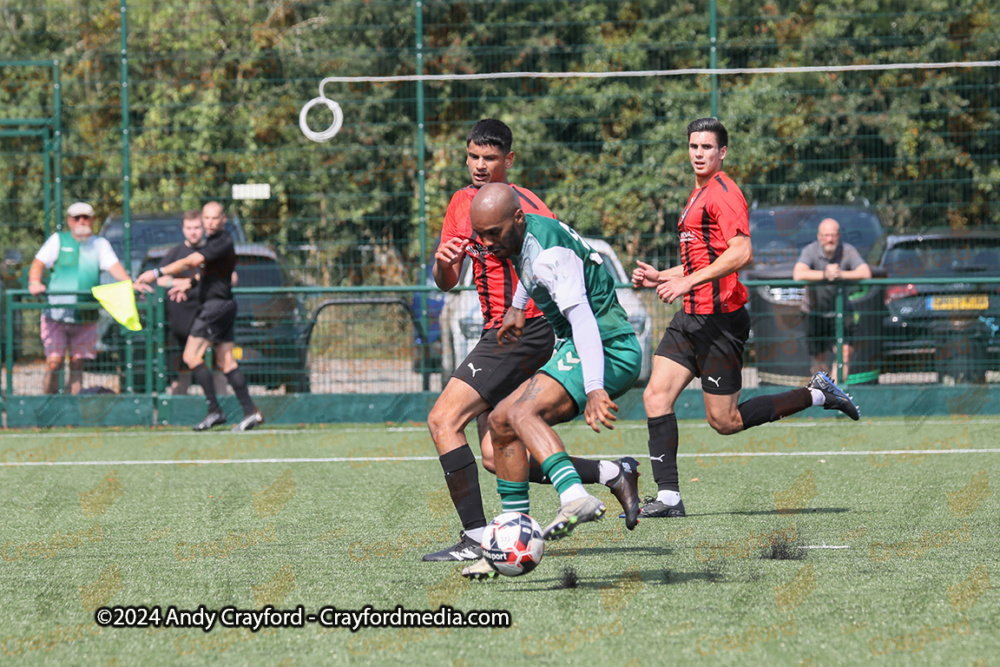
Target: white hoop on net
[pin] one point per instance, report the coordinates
(328, 133)
(338, 115)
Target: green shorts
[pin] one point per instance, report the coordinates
(622, 364)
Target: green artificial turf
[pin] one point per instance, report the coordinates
(295, 523)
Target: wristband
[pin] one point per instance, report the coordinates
(156, 272)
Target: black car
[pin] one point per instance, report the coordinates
(271, 329)
(952, 327)
(153, 229)
(777, 341)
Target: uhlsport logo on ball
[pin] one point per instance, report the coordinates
(513, 544)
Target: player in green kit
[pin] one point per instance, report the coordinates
(598, 359)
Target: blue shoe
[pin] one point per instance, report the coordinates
(834, 397)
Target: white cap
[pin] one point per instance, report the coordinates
(80, 208)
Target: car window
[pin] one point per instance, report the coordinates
(779, 236)
(609, 266)
(943, 257)
(256, 271)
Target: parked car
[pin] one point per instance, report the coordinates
(154, 229)
(951, 328)
(271, 329)
(462, 317)
(777, 343)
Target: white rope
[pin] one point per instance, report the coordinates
(329, 133)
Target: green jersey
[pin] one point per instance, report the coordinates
(75, 266)
(559, 270)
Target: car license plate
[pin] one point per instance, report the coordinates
(966, 302)
(238, 353)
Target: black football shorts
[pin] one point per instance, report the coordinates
(215, 321)
(495, 372)
(710, 346)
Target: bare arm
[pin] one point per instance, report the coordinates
(173, 268)
(35, 284)
(736, 256)
(803, 272)
(448, 261)
(863, 272)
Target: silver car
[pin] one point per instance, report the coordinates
(462, 317)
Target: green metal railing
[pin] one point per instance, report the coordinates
(371, 340)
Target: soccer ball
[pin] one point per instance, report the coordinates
(513, 544)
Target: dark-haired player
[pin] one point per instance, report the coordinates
(706, 338)
(489, 374)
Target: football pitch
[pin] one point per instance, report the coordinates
(813, 542)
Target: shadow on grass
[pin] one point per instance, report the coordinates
(571, 552)
(808, 510)
(654, 577)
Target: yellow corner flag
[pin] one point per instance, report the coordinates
(119, 300)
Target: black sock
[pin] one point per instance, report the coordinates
(203, 377)
(462, 476)
(589, 470)
(663, 451)
(238, 382)
(765, 409)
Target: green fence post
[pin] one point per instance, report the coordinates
(841, 375)
(161, 362)
(57, 142)
(421, 176)
(713, 63)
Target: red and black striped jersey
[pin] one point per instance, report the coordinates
(714, 214)
(495, 280)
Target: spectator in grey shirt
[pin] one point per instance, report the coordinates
(823, 261)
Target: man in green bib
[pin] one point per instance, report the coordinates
(76, 259)
(598, 359)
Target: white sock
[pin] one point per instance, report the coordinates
(476, 534)
(574, 492)
(608, 472)
(818, 397)
(668, 497)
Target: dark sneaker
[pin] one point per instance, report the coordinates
(214, 418)
(654, 509)
(835, 398)
(481, 569)
(579, 511)
(625, 487)
(249, 422)
(466, 549)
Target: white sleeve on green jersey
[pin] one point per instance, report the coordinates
(521, 298)
(560, 271)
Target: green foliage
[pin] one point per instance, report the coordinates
(215, 91)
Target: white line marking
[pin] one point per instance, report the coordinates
(414, 429)
(398, 459)
(824, 546)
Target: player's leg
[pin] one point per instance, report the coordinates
(725, 336)
(194, 358)
(238, 381)
(666, 382)
(674, 366)
(457, 406)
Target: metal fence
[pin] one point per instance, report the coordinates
(371, 341)
(214, 93)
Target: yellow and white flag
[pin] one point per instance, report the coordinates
(119, 300)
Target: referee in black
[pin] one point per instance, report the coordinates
(215, 320)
